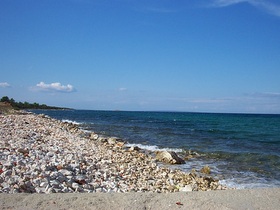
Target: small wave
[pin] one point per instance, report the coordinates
(255, 183)
(154, 148)
(71, 121)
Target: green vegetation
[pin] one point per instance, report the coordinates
(26, 105)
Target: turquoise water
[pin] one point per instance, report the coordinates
(243, 150)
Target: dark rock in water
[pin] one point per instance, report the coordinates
(169, 157)
(191, 154)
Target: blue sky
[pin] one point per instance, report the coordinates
(164, 55)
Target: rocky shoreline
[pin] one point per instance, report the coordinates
(39, 154)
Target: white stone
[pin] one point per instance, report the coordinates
(187, 188)
(75, 185)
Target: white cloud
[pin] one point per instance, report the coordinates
(4, 84)
(122, 89)
(54, 87)
(224, 3)
(271, 95)
(269, 6)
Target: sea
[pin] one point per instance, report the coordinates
(242, 150)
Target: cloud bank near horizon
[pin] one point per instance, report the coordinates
(4, 84)
(54, 87)
(268, 6)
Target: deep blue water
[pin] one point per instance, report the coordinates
(243, 150)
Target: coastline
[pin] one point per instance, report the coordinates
(42, 155)
(240, 150)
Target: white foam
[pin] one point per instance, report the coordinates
(153, 148)
(71, 121)
(249, 181)
(232, 184)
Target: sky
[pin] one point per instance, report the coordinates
(142, 55)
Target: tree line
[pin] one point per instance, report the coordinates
(26, 105)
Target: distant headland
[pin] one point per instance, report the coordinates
(6, 101)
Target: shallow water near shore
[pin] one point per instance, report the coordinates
(242, 150)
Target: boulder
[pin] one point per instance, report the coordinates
(102, 139)
(93, 136)
(112, 140)
(134, 148)
(120, 144)
(169, 157)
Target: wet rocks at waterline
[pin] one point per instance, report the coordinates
(169, 157)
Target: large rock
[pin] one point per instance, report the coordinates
(93, 136)
(169, 157)
(112, 140)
